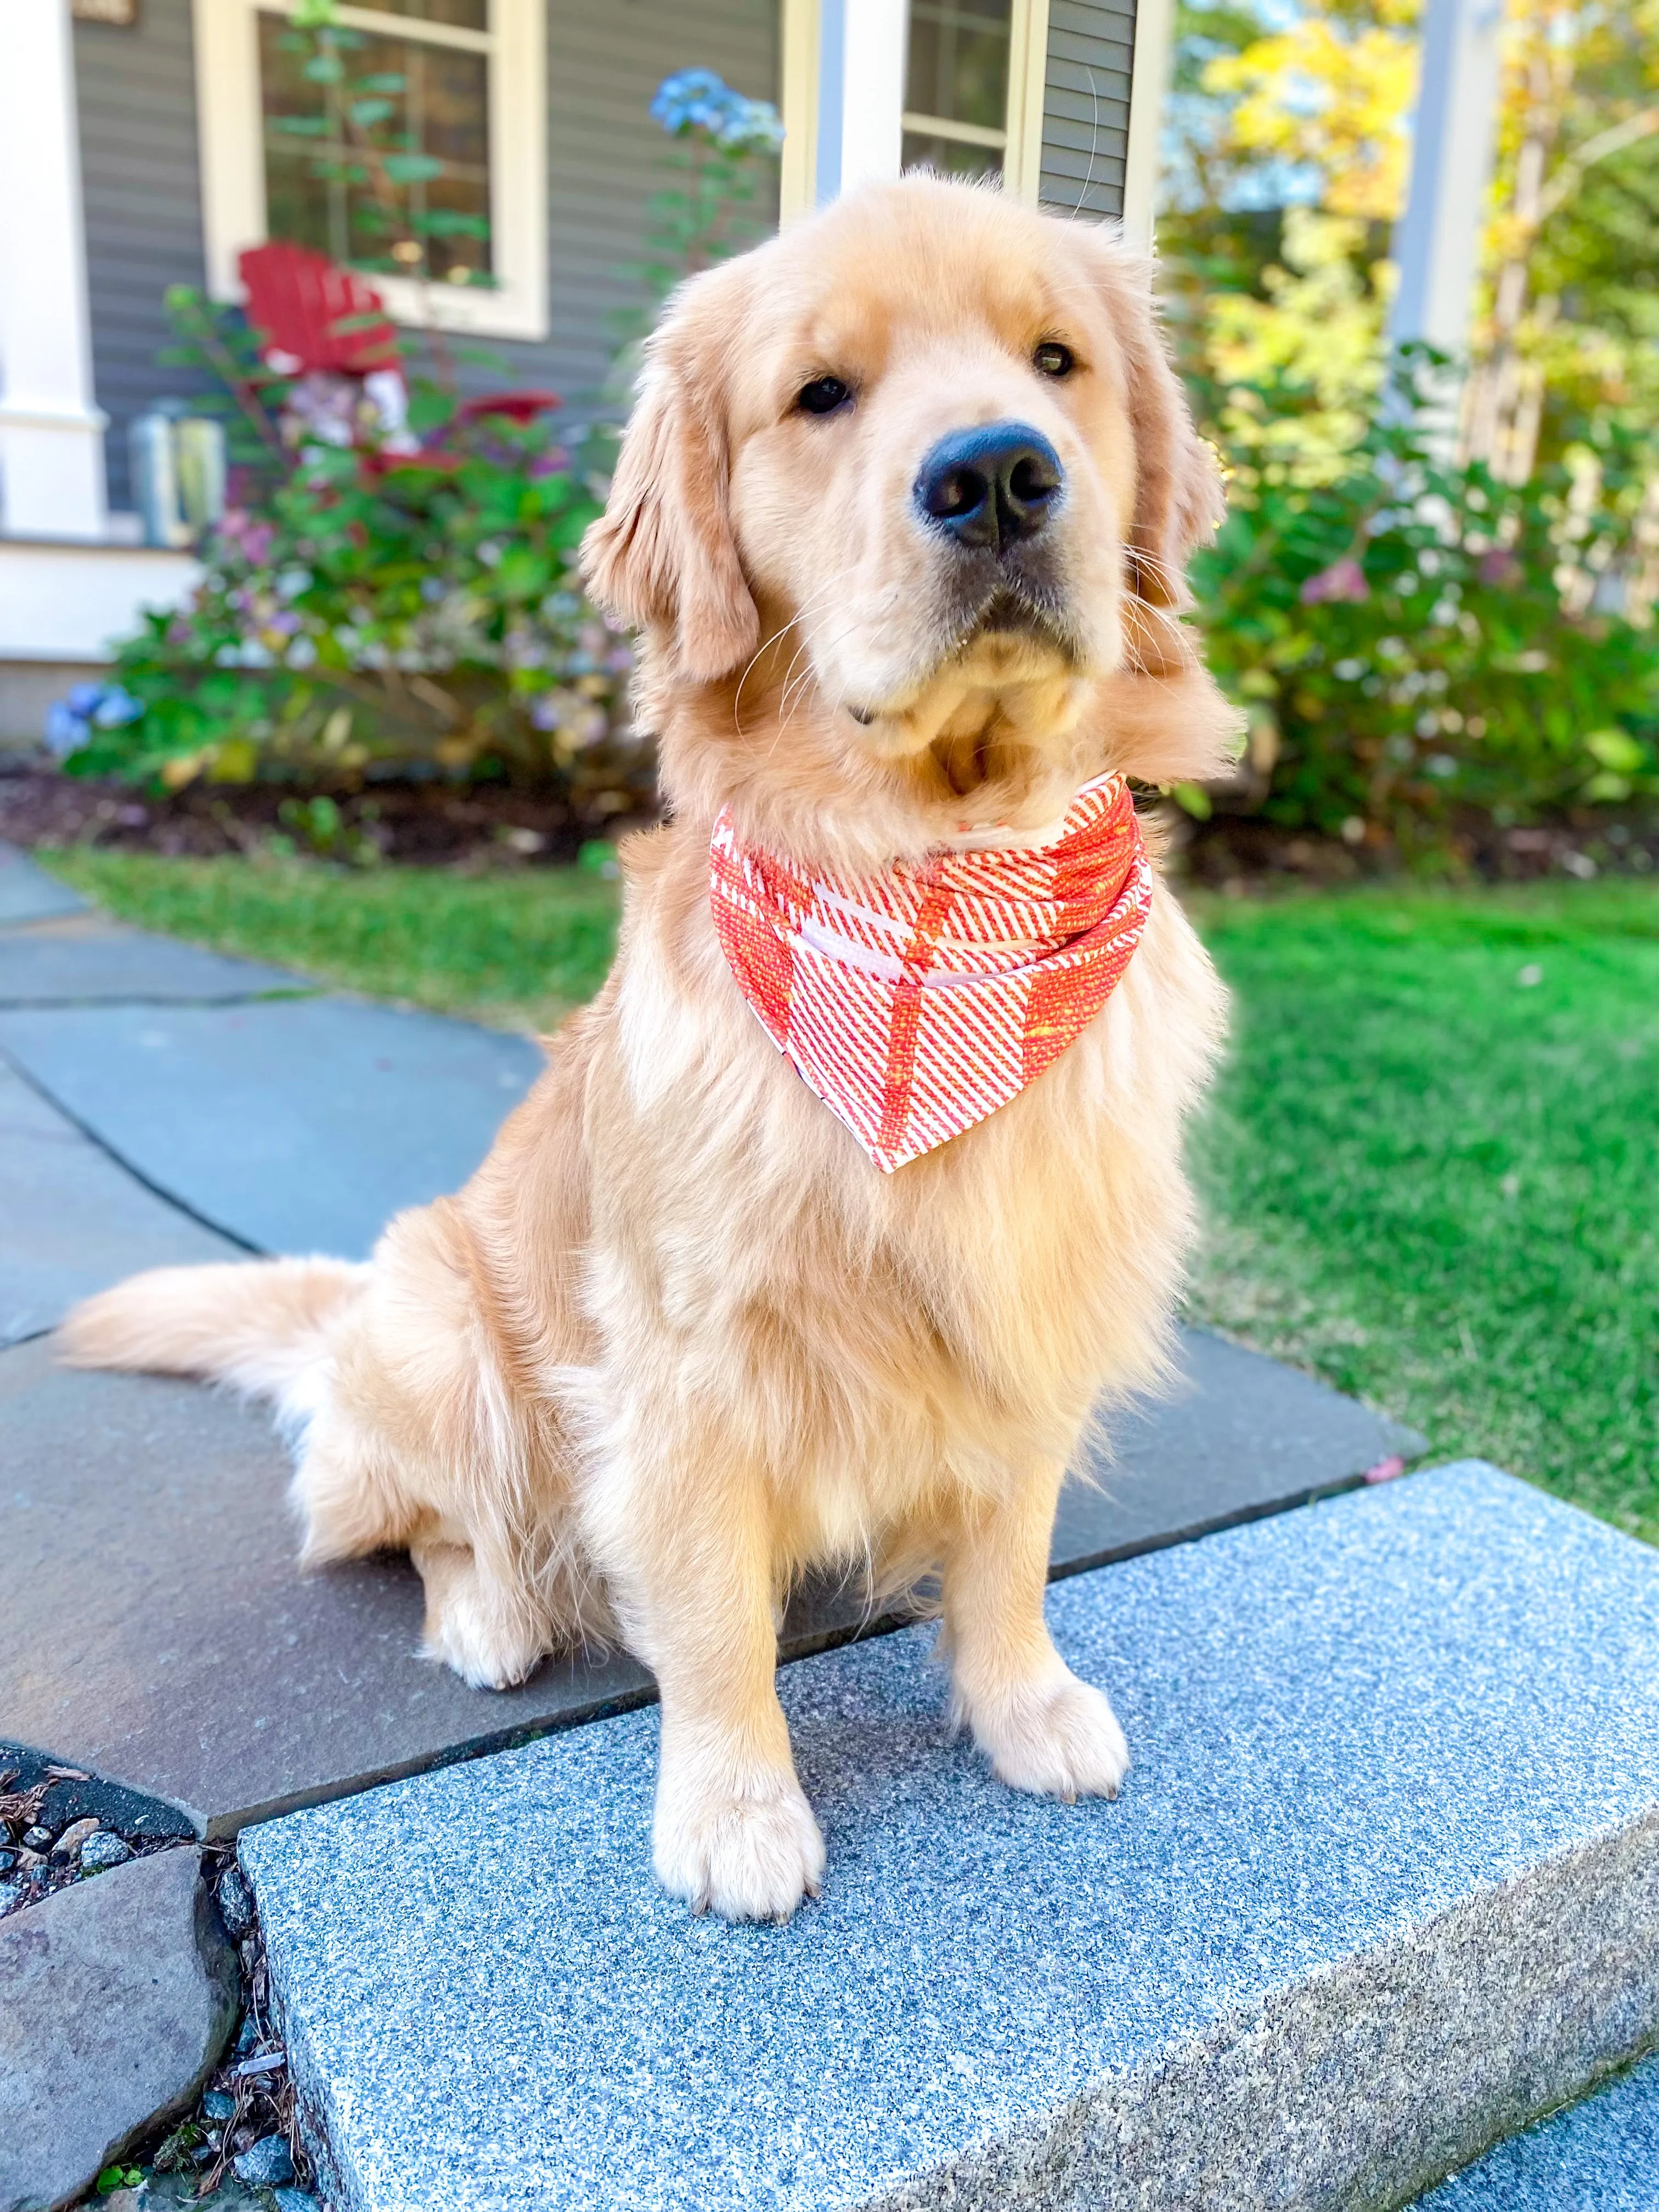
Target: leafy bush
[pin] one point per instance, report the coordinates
(387, 609)
(397, 596)
(1412, 639)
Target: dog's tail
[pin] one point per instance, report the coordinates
(262, 1326)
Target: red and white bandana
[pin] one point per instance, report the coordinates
(917, 1001)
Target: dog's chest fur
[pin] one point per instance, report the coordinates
(757, 1287)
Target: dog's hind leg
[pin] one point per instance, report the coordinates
(1041, 1729)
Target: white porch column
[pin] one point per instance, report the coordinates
(1438, 240)
(843, 97)
(51, 433)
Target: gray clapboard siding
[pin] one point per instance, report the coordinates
(1085, 109)
(605, 158)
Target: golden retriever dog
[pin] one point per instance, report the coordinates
(901, 513)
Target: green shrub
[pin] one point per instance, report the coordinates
(1414, 640)
(385, 611)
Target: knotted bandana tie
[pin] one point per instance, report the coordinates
(917, 1001)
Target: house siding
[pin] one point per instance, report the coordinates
(1086, 108)
(137, 90)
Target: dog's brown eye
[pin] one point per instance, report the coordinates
(822, 396)
(1053, 359)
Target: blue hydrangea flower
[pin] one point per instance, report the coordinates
(70, 722)
(697, 99)
(115, 707)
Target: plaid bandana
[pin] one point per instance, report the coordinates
(917, 1001)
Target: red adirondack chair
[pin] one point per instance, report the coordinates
(298, 301)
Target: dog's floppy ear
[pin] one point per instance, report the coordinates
(1178, 496)
(662, 557)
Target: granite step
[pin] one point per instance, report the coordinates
(1382, 1887)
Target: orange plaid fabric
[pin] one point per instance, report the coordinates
(916, 1002)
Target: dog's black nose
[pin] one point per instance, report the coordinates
(991, 486)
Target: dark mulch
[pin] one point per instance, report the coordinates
(434, 823)
(1233, 851)
(476, 825)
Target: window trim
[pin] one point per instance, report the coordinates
(1028, 87)
(232, 140)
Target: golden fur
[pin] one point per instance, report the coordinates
(677, 1339)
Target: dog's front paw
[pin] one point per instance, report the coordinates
(1058, 1737)
(751, 1856)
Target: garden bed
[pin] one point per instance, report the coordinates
(434, 823)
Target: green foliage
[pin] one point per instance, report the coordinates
(1410, 639)
(376, 608)
(1428, 1172)
(389, 611)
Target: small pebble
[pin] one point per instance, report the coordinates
(74, 1837)
(296, 2200)
(12, 1892)
(8, 1861)
(248, 2036)
(103, 1850)
(218, 2105)
(266, 2165)
(236, 1903)
(36, 1839)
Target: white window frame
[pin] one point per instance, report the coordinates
(232, 135)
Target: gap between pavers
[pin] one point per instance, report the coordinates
(116, 1996)
(72, 1220)
(293, 1125)
(1382, 1885)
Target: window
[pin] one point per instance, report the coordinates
(973, 70)
(956, 87)
(411, 148)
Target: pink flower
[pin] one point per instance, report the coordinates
(1344, 579)
(1500, 567)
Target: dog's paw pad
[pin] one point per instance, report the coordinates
(750, 1857)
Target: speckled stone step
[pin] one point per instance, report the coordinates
(1382, 1887)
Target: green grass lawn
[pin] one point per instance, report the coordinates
(516, 949)
(1430, 1171)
